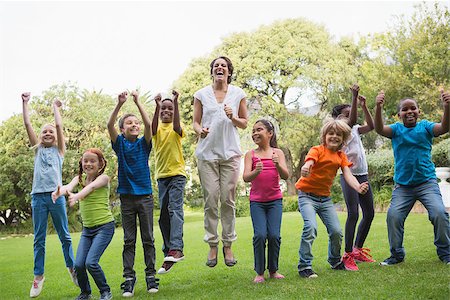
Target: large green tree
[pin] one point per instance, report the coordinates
(279, 66)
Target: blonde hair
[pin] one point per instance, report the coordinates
(338, 126)
(40, 136)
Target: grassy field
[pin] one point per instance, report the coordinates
(421, 276)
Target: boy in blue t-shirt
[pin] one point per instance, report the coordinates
(414, 176)
(135, 191)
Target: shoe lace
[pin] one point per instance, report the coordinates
(152, 282)
(365, 252)
(126, 285)
(35, 284)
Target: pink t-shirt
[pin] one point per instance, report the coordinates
(266, 186)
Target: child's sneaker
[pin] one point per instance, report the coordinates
(362, 255)
(83, 296)
(349, 262)
(36, 288)
(152, 284)
(307, 273)
(128, 287)
(106, 295)
(339, 266)
(174, 256)
(73, 275)
(166, 267)
(390, 261)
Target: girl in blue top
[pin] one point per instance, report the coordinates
(414, 176)
(49, 155)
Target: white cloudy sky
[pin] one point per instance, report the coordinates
(114, 45)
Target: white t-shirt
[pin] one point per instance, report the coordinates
(222, 141)
(356, 153)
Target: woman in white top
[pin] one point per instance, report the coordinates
(219, 109)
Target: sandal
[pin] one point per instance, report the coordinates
(276, 275)
(228, 262)
(212, 262)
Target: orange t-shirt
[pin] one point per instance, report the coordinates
(326, 164)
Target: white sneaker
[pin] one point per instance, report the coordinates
(73, 275)
(36, 288)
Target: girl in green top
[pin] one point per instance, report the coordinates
(98, 223)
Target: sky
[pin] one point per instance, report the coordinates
(114, 46)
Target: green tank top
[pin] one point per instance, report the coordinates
(94, 208)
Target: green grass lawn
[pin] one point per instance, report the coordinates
(421, 276)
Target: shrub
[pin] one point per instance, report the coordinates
(290, 203)
(440, 153)
(381, 168)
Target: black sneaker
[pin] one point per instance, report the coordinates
(307, 273)
(106, 295)
(152, 284)
(392, 260)
(83, 296)
(339, 266)
(128, 287)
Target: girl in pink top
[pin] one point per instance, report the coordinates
(263, 167)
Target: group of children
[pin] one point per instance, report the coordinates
(340, 148)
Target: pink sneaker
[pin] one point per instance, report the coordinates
(362, 255)
(349, 262)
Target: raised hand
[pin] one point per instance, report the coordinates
(135, 95)
(123, 97)
(175, 95)
(380, 99)
(445, 97)
(228, 111)
(355, 90)
(57, 103)
(158, 99)
(26, 97)
(362, 100)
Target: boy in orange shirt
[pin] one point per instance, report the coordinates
(318, 172)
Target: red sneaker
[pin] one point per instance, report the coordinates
(174, 256)
(349, 262)
(362, 255)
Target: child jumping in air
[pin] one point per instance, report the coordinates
(135, 191)
(318, 172)
(263, 167)
(49, 155)
(355, 152)
(171, 176)
(98, 222)
(414, 174)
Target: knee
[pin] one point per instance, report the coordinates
(79, 266)
(438, 216)
(352, 216)
(393, 216)
(259, 238)
(91, 265)
(310, 229)
(274, 238)
(335, 233)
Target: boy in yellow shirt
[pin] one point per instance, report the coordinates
(171, 177)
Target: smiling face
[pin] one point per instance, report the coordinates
(408, 112)
(221, 69)
(166, 111)
(48, 135)
(91, 164)
(131, 127)
(334, 140)
(260, 134)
